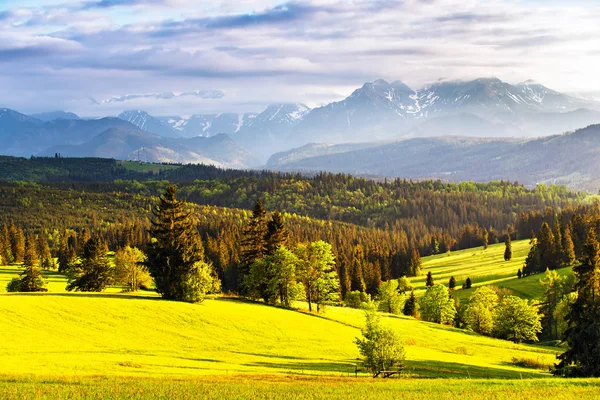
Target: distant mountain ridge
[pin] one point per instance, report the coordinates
(572, 159)
(22, 135)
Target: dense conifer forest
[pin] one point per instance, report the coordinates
(378, 230)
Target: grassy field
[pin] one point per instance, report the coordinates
(294, 387)
(484, 267)
(116, 345)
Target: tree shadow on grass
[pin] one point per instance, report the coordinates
(89, 295)
(270, 355)
(443, 369)
(300, 367)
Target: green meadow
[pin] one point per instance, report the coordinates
(117, 345)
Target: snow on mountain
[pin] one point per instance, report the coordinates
(148, 123)
(208, 125)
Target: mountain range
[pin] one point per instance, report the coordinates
(22, 135)
(377, 114)
(380, 110)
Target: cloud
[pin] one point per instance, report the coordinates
(272, 51)
(202, 94)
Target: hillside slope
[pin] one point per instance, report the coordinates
(115, 334)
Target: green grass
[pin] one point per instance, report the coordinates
(293, 387)
(484, 267)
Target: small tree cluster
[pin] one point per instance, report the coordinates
(510, 317)
(437, 306)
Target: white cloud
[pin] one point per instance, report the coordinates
(261, 52)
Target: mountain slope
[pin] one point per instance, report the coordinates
(52, 115)
(572, 159)
(135, 144)
(148, 123)
(209, 124)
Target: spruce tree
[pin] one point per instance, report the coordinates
(253, 245)
(66, 253)
(507, 249)
(31, 278)
(176, 255)
(452, 283)
(5, 248)
(547, 248)
(30, 257)
(46, 259)
(429, 280)
(414, 263)
(468, 283)
(410, 307)
(95, 272)
(532, 262)
(582, 358)
(277, 235)
(519, 274)
(17, 243)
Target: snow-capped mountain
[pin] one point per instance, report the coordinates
(208, 125)
(148, 123)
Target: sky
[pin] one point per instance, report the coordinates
(183, 57)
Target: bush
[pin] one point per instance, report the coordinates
(356, 298)
(14, 285)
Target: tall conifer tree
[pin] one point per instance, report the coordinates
(583, 334)
(176, 255)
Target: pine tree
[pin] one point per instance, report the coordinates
(253, 245)
(176, 255)
(277, 234)
(583, 334)
(519, 274)
(410, 307)
(452, 283)
(507, 249)
(95, 272)
(429, 280)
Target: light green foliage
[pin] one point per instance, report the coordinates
(315, 271)
(404, 285)
(356, 299)
(554, 287)
(517, 320)
(390, 298)
(273, 278)
(130, 270)
(437, 306)
(381, 348)
(480, 312)
(562, 311)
